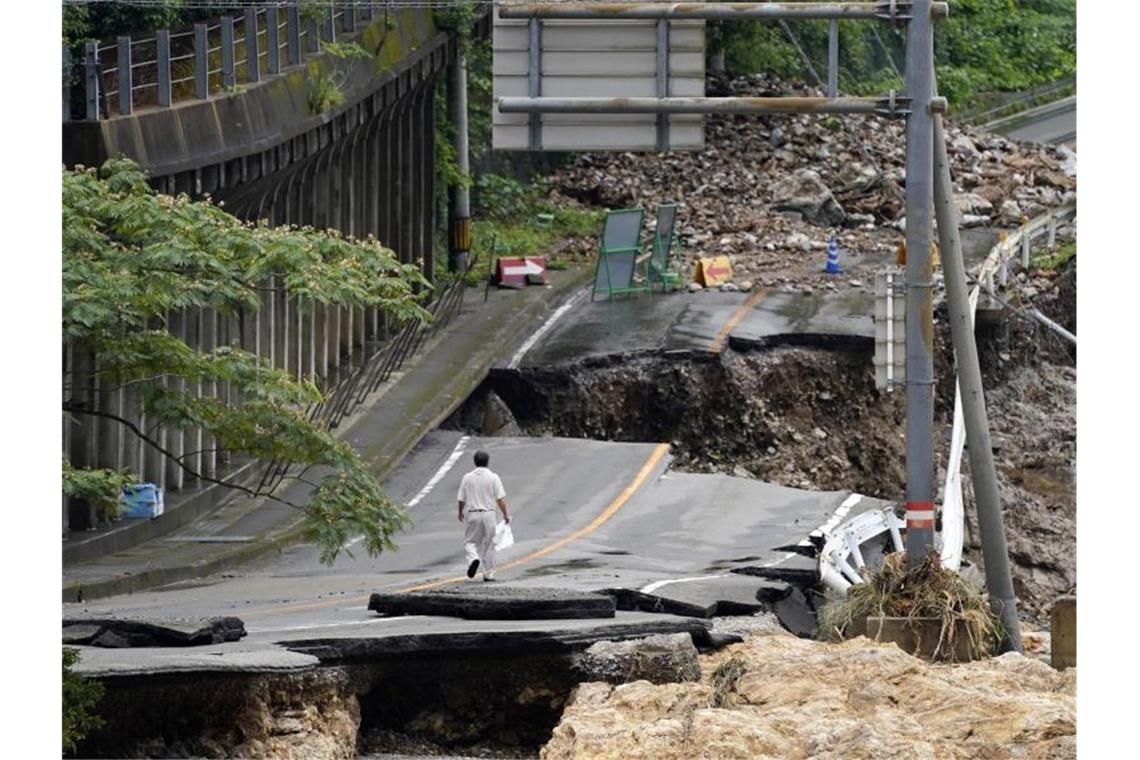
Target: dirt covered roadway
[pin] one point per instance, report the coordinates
(776, 696)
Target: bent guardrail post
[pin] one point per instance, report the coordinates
(987, 500)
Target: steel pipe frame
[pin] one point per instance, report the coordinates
(884, 11)
(888, 105)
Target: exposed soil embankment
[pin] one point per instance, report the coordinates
(811, 418)
(776, 696)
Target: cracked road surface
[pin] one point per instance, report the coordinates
(586, 515)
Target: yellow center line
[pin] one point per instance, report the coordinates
(722, 337)
(618, 502)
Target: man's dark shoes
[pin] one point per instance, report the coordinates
(472, 568)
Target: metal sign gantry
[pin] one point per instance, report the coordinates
(920, 107)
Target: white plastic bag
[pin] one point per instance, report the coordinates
(503, 536)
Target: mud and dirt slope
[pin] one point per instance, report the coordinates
(776, 696)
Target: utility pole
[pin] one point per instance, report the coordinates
(459, 221)
(987, 500)
(919, 286)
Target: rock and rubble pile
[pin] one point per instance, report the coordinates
(768, 191)
(777, 696)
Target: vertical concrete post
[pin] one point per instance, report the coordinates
(1026, 246)
(268, 312)
(427, 179)
(91, 83)
(387, 188)
(273, 39)
(175, 325)
(987, 497)
(319, 196)
(288, 354)
(126, 77)
(832, 58)
(459, 243)
(311, 339)
(348, 179)
(252, 53)
(334, 343)
(201, 61)
(919, 284)
(82, 436)
(226, 392)
(162, 46)
(1063, 633)
(312, 35)
(349, 334)
(65, 420)
(193, 440)
(229, 77)
(409, 166)
(1052, 231)
(110, 454)
(299, 344)
(293, 34)
(209, 341)
(66, 113)
(323, 335)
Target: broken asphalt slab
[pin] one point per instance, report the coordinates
(119, 633)
(494, 602)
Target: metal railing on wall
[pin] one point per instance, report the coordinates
(117, 77)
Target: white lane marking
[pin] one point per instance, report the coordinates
(779, 560)
(840, 512)
(545, 328)
(441, 472)
(658, 584)
(439, 475)
(343, 623)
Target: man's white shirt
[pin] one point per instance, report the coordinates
(480, 489)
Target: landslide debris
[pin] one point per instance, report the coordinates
(778, 696)
(925, 591)
(769, 191)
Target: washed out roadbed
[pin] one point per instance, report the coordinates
(777, 696)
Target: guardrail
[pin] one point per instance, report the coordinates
(164, 67)
(1037, 96)
(840, 560)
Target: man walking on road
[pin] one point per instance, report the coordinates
(479, 492)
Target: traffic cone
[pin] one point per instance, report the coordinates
(833, 257)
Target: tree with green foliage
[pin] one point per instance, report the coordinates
(80, 696)
(131, 256)
(983, 46)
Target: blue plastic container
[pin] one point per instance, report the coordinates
(141, 500)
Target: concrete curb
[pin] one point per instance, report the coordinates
(381, 462)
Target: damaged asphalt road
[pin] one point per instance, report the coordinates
(587, 516)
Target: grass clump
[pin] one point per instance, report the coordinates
(926, 591)
(724, 680)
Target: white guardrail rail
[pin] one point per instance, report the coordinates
(840, 558)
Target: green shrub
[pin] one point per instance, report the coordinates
(80, 696)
